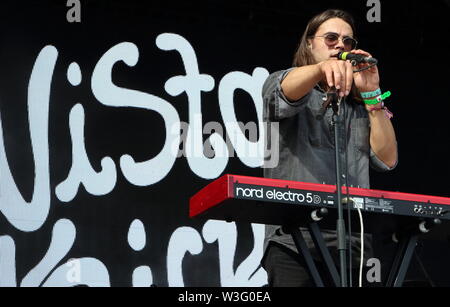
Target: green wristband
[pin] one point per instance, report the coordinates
(378, 99)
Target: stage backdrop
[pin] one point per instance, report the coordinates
(114, 113)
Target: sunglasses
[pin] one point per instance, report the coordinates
(332, 39)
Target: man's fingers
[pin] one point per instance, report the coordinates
(343, 69)
(349, 77)
(337, 75)
(329, 76)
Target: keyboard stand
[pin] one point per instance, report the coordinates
(303, 249)
(401, 261)
(319, 242)
(406, 245)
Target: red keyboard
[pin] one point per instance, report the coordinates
(274, 201)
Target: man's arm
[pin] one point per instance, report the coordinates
(302, 79)
(382, 137)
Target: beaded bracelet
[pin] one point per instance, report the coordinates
(388, 113)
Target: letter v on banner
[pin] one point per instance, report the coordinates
(22, 215)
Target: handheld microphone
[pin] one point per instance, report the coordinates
(356, 58)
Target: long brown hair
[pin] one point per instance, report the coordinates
(303, 56)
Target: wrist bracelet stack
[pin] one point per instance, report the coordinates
(375, 97)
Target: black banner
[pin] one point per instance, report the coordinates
(114, 113)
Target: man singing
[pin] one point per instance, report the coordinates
(293, 98)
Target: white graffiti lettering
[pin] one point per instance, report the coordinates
(28, 217)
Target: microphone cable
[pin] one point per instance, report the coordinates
(361, 222)
(364, 68)
(349, 204)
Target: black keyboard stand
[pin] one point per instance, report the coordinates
(407, 242)
(324, 253)
(402, 259)
(303, 249)
(399, 268)
(319, 242)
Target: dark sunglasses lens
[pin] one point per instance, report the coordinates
(331, 39)
(350, 43)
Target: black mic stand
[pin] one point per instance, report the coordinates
(337, 122)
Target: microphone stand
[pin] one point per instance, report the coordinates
(337, 121)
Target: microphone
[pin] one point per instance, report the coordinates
(356, 58)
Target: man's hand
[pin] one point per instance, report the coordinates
(339, 74)
(367, 80)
